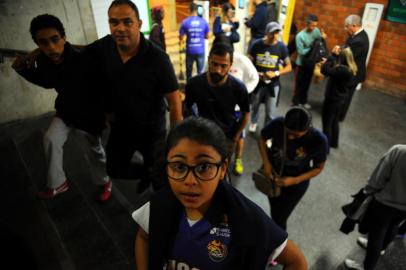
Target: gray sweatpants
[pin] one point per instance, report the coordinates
(54, 139)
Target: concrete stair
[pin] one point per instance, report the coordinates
(73, 230)
(176, 55)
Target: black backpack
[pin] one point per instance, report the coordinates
(317, 52)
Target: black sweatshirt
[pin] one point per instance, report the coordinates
(80, 99)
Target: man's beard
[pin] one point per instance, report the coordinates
(216, 78)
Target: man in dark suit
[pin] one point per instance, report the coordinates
(359, 43)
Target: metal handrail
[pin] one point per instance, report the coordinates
(10, 53)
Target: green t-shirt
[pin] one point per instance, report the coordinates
(304, 41)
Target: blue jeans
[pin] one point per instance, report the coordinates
(190, 59)
(263, 94)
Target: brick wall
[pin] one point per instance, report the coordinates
(388, 58)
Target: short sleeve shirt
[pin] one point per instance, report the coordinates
(301, 154)
(137, 87)
(268, 57)
(217, 103)
(305, 40)
(196, 29)
(201, 245)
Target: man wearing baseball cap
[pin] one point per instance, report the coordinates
(271, 59)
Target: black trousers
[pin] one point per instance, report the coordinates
(124, 140)
(283, 206)
(383, 223)
(347, 102)
(303, 80)
(330, 118)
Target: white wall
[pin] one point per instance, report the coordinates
(18, 98)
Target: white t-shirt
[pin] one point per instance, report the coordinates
(244, 70)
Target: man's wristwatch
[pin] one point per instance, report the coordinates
(277, 73)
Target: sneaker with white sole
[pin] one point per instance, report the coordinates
(363, 242)
(50, 193)
(253, 128)
(354, 265)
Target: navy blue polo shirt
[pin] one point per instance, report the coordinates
(300, 152)
(218, 103)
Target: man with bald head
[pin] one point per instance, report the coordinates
(139, 77)
(358, 41)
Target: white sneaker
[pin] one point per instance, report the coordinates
(363, 242)
(351, 264)
(307, 106)
(253, 128)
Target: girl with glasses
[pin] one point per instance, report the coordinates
(201, 222)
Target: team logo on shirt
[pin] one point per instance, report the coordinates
(194, 23)
(223, 231)
(266, 60)
(217, 251)
(300, 153)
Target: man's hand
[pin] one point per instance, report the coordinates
(263, 76)
(271, 74)
(25, 61)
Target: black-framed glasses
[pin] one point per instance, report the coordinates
(205, 171)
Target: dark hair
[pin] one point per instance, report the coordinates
(45, 21)
(126, 2)
(222, 49)
(298, 119)
(222, 39)
(311, 18)
(226, 6)
(193, 7)
(201, 130)
(156, 13)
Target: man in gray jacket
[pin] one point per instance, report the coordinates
(387, 209)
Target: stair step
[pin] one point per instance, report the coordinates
(25, 227)
(76, 231)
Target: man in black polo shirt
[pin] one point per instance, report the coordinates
(138, 75)
(214, 95)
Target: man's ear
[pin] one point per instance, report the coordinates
(140, 23)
